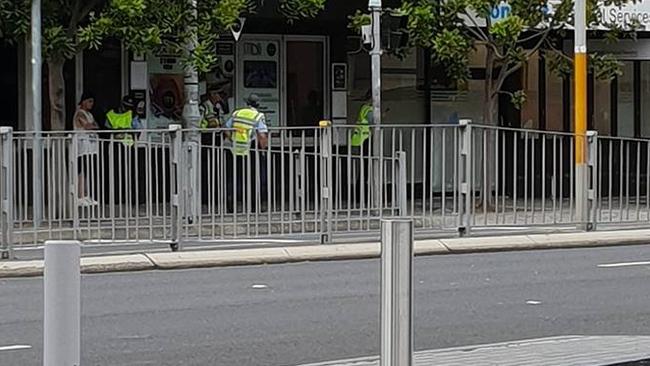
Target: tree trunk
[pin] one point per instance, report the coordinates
(56, 86)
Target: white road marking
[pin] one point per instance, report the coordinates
(533, 302)
(15, 347)
(623, 264)
(259, 286)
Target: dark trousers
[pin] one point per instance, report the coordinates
(246, 181)
(361, 169)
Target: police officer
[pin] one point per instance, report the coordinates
(247, 130)
(124, 119)
(360, 145)
(213, 109)
(364, 119)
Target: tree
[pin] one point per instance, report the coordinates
(72, 26)
(451, 29)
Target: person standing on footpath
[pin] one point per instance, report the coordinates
(87, 147)
(248, 130)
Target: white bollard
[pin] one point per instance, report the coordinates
(396, 292)
(62, 313)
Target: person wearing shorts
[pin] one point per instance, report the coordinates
(87, 147)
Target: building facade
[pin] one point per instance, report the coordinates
(317, 69)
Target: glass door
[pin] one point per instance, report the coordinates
(306, 91)
(625, 101)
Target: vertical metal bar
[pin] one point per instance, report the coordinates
(326, 181)
(36, 112)
(484, 170)
(7, 193)
(543, 178)
(610, 170)
(496, 176)
(572, 180)
(620, 180)
(413, 165)
(466, 177)
(525, 177)
(401, 185)
(177, 182)
(504, 139)
(555, 179)
(62, 304)
(73, 161)
(592, 180)
(532, 177)
(514, 177)
(638, 179)
(647, 181)
(396, 293)
(627, 179)
(443, 173)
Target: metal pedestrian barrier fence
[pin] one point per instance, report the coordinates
(311, 184)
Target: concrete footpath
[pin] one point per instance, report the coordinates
(240, 257)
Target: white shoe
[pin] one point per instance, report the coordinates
(87, 201)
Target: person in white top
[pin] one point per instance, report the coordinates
(87, 147)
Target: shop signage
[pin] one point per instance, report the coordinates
(623, 16)
(627, 15)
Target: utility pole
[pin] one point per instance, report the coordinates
(580, 128)
(36, 114)
(375, 58)
(192, 115)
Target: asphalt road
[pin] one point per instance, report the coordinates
(299, 313)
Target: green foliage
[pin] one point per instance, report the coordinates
(358, 20)
(452, 29)
(604, 67)
(70, 26)
(297, 9)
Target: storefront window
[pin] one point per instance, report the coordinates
(554, 100)
(402, 102)
(625, 101)
(305, 91)
(645, 99)
(450, 103)
(602, 106)
(102, 75)
(530, 85)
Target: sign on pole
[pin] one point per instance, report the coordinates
(237, 28)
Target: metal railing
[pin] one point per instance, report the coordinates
(309, 184)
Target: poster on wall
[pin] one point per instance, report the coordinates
(166, 89)
(260, 74)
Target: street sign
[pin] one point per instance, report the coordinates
(237, 28)
(374, 3)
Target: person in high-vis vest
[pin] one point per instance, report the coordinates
(124, 119)
(212, 109)
(360, 145)
(247, 131)
(362, 130)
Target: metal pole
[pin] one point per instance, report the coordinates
(7, 194)
(580, 128)
(36, 114)
(192, 118)
(62, 305)
(396, 293)
(375, 56)
(402, 184)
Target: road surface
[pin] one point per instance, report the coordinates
(310, 312)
